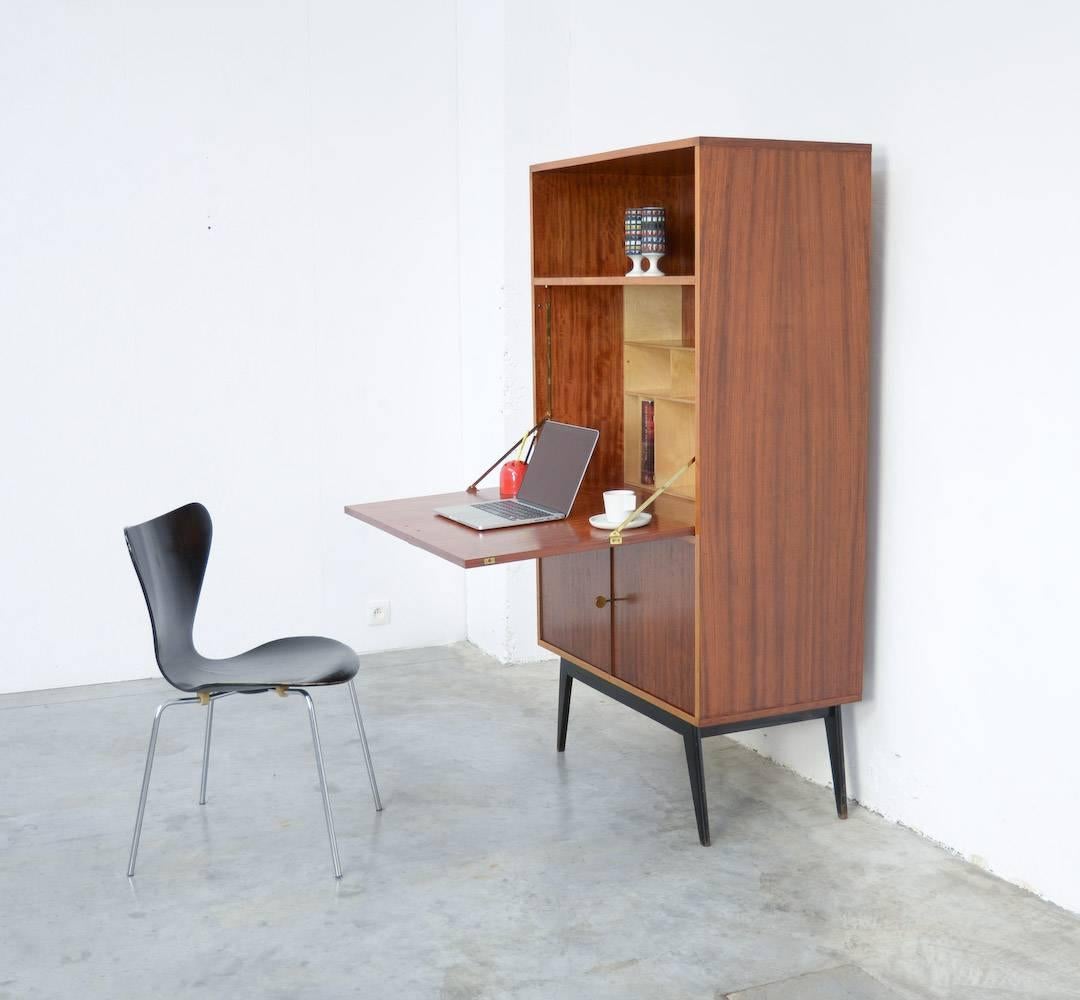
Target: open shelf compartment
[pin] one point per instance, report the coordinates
(578, 212)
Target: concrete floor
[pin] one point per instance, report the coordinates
(498, 868)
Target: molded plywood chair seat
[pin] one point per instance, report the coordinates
(170, 554)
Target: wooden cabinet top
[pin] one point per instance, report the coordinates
(651, 158)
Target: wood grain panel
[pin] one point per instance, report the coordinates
(689, 329)
(783, 363)
(569, 617)
(653, 626)
(586, 370)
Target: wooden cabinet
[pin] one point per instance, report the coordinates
(643, 634)
(753, 352)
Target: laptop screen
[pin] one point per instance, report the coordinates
(557, 466)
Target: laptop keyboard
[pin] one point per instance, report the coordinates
(512, 510)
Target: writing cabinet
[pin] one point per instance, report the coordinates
(754, 350)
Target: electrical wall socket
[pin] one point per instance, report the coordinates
(378, 613)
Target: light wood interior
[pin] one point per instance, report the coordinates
(660, 363)
(653, 314)
(676, 444)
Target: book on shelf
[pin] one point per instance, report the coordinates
(648, 442)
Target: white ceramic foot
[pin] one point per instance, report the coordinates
(654, 265)
(635, 271)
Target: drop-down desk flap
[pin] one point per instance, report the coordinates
(414, 520)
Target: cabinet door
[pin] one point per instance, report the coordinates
(653, 628)
(569, 617)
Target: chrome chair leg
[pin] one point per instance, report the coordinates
(335, 859)
(364, 744)
(146, 776)
(206, 751)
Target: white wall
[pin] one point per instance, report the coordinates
(497, 357)
(967, 730)
(228, 239)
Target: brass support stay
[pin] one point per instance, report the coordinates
(491, 468)
(615, 538)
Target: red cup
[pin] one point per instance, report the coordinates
(510, 479)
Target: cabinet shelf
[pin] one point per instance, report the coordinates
(667, 345)
(662, 394)
(667, 279)
(677, 491)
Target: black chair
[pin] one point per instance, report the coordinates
(170, 554)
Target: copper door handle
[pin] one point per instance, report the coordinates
(603, 601)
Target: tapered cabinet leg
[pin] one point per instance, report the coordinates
(834, 733)
(696, 767)
(565, 682)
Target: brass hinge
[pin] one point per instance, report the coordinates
(547, 333)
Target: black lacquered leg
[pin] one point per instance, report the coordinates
(565, 681)
(696, 766)
(834, 733)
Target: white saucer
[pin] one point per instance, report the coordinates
(601, 521)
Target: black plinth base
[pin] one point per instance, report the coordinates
(693, 735)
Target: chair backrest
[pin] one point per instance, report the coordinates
(170, 554)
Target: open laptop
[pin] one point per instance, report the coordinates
(550, 486)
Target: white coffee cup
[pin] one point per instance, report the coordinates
(619, 503)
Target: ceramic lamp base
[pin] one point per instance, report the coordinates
(654, 265)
